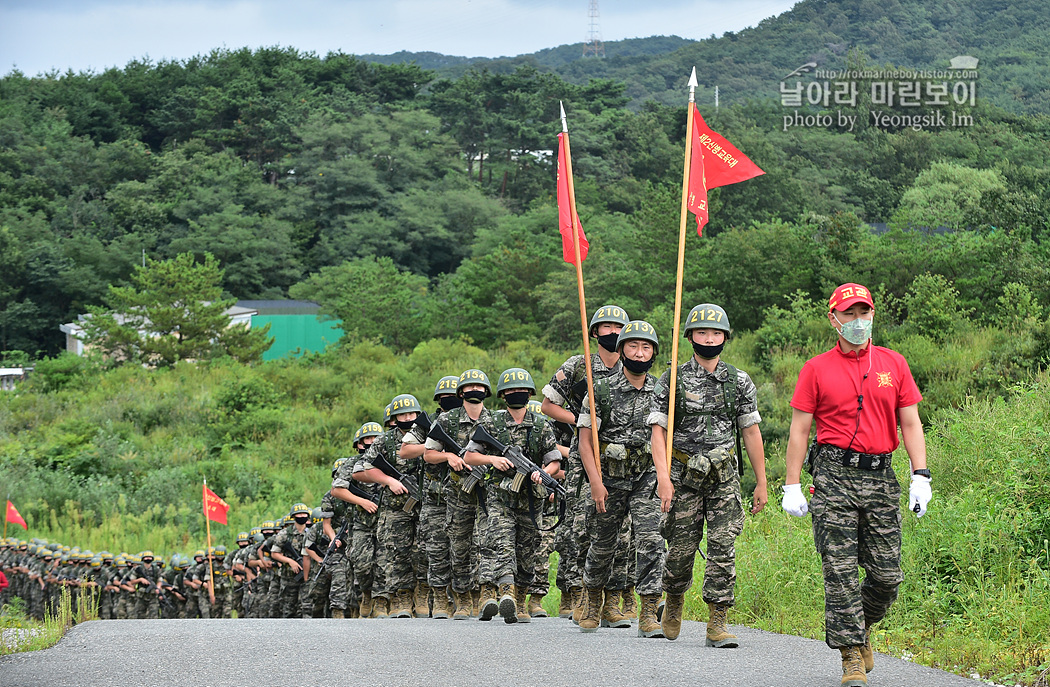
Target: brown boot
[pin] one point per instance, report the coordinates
(718, 634)
(463, 604)
(672, 618)
(852, 667)
(579, 603)
(630, 603)
(337, 614)
(475, 602)
(866, 652)
(611, 614)
(648, 625)
(488, 606)
(508, 607)
(591, 617)
(565, 604)
(536, 606)
(381, 609)
(421, 600)
(520, 596)
(366, 605)
(441, 609)
(401, 604)
(353, 612)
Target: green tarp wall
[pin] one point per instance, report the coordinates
(290, 332)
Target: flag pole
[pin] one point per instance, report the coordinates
(211, 569)
(681, 269)
(579, 284)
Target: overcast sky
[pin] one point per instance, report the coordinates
(39, 35)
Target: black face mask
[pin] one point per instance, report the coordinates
(636, 366)
(473, 396)
(405, 425)
(516, 399)
(708, 352)
(447, 403)
(608, 342)
(302, 521)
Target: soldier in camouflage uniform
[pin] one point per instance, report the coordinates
(335, 512)
(561, 402)
(466, 515)
(856, 501)
(713, 401)
(221, 574)
(511, 542)
(146, 576)
(399, 556)
(194, 587)
(540, 586)
(623, 486)
(365, 519)
(285, 550)
(432, 530)
(235, 565)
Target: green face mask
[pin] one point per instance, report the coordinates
(856, 331)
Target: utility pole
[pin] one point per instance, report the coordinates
(593, 45)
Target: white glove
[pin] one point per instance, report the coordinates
(794, 502)
(919, 494)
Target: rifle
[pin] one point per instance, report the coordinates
(363, 493)
(423, 422)
(477, 473)
(410, 482)
(339, 536)
(524, 467)
(295, 556)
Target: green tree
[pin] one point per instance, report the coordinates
(374, 299)
(172, 311)
(946, 195)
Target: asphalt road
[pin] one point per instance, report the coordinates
(549, 651)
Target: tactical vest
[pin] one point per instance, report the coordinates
(618, 460)
(729, 401)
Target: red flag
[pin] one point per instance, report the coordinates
(697, 199)
(723, 163)
(566, 209)
(13, 516)
(214, 507)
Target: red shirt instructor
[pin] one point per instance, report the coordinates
(858, 394)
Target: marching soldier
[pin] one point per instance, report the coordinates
(713, 401)
(285, 550)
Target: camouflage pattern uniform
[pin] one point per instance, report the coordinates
(287, 599)
(464, 519)
(433, 534)
(147, 605)
(837, 489)
(567, 388)
(399, 556)
(340, 591)
(708, 488)
(365, 543)
(318, 587)
(629, 475)
(510, 547)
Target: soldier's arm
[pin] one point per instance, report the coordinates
(752, 438)
(798, 439)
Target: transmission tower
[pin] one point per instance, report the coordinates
(593, 45)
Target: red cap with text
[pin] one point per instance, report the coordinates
(848, 294)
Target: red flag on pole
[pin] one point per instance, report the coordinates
(214, 507)
(723, 163)
(566, 209)
(697, 198)
(13, 516)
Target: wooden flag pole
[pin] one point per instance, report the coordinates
(579, 284)
(211, 569)
(681, 269)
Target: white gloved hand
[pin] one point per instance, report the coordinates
(794, 502)
(919, 494)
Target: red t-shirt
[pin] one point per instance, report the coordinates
(829, 384)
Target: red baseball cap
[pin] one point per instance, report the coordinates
(848, 294)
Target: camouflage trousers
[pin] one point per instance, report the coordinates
(721, 508)
(856, 522)
(288, 604)
(511, 543)
(465, 521)
(341, 573)
(541, 578)
(363, 558)
(434, 539)
(399, 555)
(314, 594)
(121, 605)
(574, 539)
(641, 509)
(147, 605)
